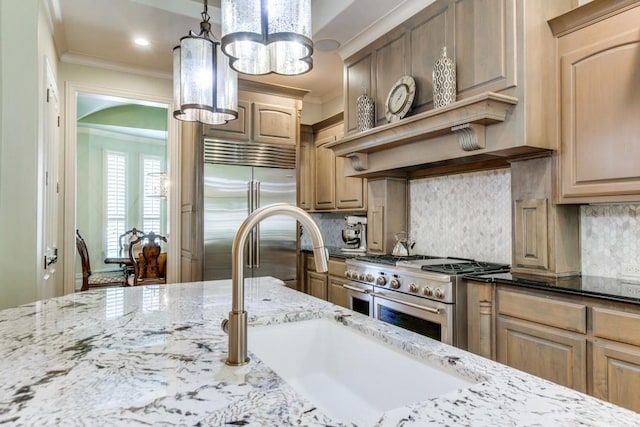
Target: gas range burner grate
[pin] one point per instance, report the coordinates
(392, 259)
(465, 267)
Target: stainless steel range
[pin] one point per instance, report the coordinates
(424, 294)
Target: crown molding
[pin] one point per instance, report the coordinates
(403, 11)
(78, 59)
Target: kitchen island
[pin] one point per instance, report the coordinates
(154, 355)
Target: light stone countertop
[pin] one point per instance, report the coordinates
(155, 355)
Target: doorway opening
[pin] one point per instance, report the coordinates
(123, 153)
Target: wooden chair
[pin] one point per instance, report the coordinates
(96, 280)
(150, 264)
(123, 248)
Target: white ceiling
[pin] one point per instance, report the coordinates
(101, 33)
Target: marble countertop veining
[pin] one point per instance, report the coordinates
(154, 355)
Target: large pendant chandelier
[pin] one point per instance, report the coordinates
(267, 36)
(205, 87)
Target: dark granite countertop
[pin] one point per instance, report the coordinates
(334, 251)
(589, 286)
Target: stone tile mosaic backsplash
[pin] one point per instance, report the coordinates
(610, 238)
(469, 215)
(466, 215)
(331, 225)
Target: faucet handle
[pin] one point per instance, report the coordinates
(225, 326)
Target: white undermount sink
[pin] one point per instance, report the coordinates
(348, 375)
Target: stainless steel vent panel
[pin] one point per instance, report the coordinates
(249, 154)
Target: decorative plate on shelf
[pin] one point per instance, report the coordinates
(400, 98)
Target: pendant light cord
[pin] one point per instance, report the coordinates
(205, 25)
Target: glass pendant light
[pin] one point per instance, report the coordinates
(205, 87)
(267, 36)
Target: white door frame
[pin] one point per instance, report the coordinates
(173, 173)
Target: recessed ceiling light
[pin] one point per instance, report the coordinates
(326, 45)
(141, 41)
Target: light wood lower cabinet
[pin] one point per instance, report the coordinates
(337, 293)
(616, 373)
(326, 285)
(480, 315)
(584, 343)
(317, 284)
(550, 353)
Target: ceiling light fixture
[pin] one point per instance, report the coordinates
(267, 36)
(141, 41)
(205, 87)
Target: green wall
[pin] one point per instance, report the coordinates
(92, 143)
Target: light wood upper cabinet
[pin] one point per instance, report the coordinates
(306, 168)
(332, 189)
(237, 130)
(274, 124)
(267, 114)
(598, 49)
(484, 45)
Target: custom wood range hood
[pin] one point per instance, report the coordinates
(507, 90)
(451, 137)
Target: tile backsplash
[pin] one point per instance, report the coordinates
(466, 215)
(331, 225)
(469, 216)
(609, 238)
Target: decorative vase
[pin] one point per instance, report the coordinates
(365, 107)
(444, 80)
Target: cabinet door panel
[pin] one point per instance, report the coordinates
(616, 374)
(357, 81)
(427, 38)
(337, 294)
(317, 284)
(239, 129)
(305, 174)
(484, 40)
(274, 124)
(325, 177)
(600, 109)
(349, 190)
(390, 66)
(550, 353)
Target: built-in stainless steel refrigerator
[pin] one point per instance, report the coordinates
(231, 193)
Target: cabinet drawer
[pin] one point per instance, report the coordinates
(309, 262)
(547, 311)
(336, 267)
(616, 325)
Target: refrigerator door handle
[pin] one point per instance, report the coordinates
(250, 240)
(256, 230)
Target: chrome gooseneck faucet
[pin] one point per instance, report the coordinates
(236, 325)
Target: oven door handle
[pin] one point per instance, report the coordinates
(355, 289)
(410, 304)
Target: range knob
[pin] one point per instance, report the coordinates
(438, 293)
(427, 291)
(361, 276)
(395, 283)
(381, 281)
(413, 287)
(347, 274)
(370, 278)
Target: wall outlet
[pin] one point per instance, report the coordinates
(631, 271)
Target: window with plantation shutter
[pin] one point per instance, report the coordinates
(116, 197)
(151, 208)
